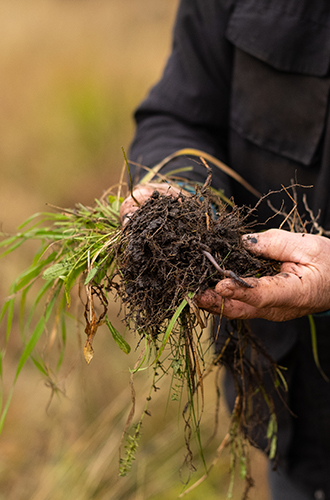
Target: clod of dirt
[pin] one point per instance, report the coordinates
(167, 245)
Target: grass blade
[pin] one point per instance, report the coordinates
(10, 317)
(13, 247)
(170, 327)
(120, 341)
(63, 332)
(6, 408)
(201, 154)
(92, 273)
(32, 273)
(39, 366)
(314, 347)
(30, 345)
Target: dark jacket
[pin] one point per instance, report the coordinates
(248, 81)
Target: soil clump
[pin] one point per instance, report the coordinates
(167, 245)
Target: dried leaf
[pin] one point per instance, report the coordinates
(88, 351)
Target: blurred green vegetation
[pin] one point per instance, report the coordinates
(71, 74)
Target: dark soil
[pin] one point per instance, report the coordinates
(163, 257)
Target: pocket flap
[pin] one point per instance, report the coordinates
(282, 112)
(290, 35)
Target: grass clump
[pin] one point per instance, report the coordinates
(171, 249)
(76, 246)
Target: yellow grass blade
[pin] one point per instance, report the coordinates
(201, 154)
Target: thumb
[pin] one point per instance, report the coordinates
(281, 245)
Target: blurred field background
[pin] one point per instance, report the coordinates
(71, 74)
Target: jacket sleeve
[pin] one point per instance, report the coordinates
(189, 106)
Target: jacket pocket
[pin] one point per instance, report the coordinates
(279, 93)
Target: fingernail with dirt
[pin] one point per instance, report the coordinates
(249, 239)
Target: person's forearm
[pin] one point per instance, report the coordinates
(189, 106)
(159, 136)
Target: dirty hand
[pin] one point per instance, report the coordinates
(141, 193)
(302, 287)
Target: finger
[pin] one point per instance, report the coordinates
(131, 203)
(210, 300)
(283, 246)
(234, 309)
(141, 193)
(231, 309)
(269, 291)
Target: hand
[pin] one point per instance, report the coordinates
(301, 288)
(141, 193)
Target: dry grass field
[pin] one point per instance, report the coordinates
(72, 71)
